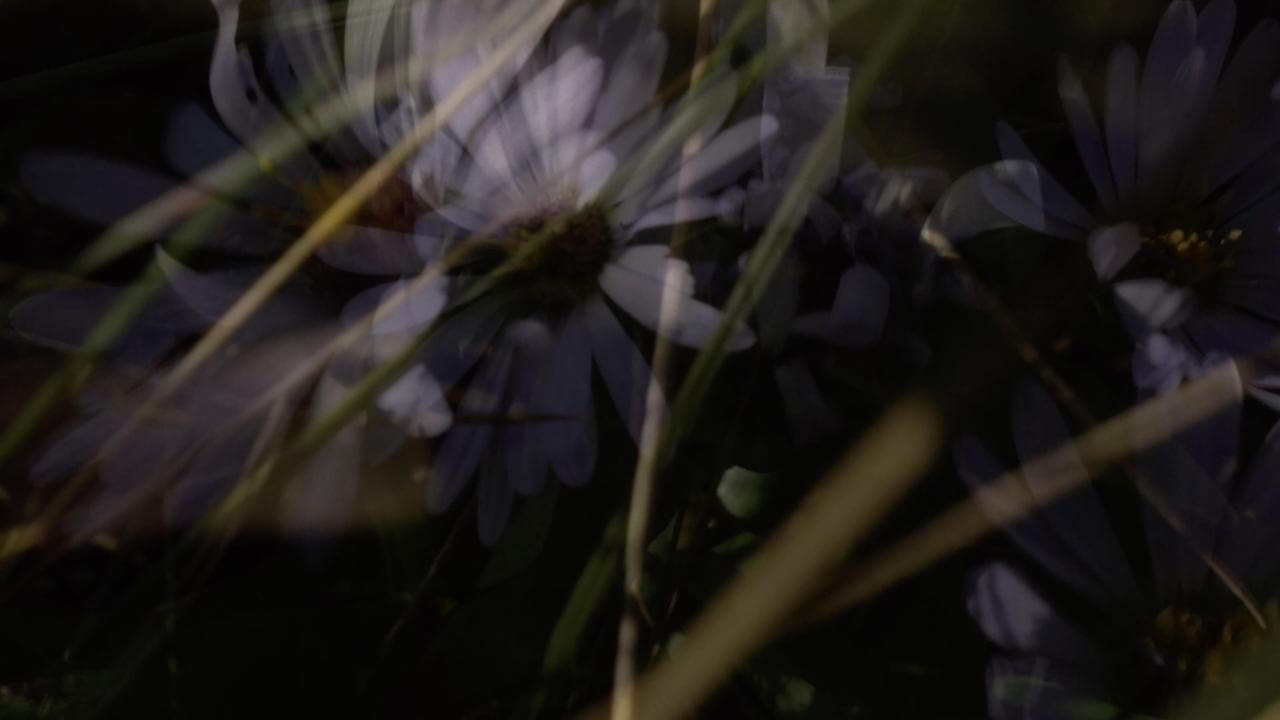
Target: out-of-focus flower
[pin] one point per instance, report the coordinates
(1099, 630)
(855, 259)
(852, 277)
(530, 153)
(530, 170)
(309, 84)
(304, 90)
(183, 450)
(1186, 227)
(316, 81)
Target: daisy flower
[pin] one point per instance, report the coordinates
(295, 88)
(304, 88)
(557, 170)
(187, 450)
(1096, 629)
(848, 262)
(851, 278)
(1185, 223)
(854, 256)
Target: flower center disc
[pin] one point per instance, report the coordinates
(1195, 648)
(393, 207)
(1186, 258)
(557, 260)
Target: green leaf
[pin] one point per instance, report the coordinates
(737, 544)
(793, 696)
(599, 580)
(742, 492)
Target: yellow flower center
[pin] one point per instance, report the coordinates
(557, 259)
(394, 207)
(1187, 257)
(1197, 648)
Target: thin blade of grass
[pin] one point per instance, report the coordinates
(653, 426)
(781, 576)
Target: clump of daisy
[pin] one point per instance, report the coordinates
(312, 103)
(560, 174)
(854, 261)
(298, 85)
(853, 277)
(1180, 155)
(1103, 621)
(162, 460)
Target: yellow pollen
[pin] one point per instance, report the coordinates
(1189, 257)
(1198, 648)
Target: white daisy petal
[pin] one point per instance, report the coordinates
(625, 371)
(416, 402)
(503, 150)
(195, 141)
(860, 307)
(527, 464)
(560, 97)
(1111, 247)
(412, 305)
(102, 191)
(675, 213)
(1044, 445)
(719, 162)
(203, 293)
(593, 173)
(1039, 185)
(1150, 304)
(966, 209)
(563, 392)
(1084, 130)
(978, 469)
(365, 250)
(467, 444)
(574, 468)
(632, 81)
(1122, 119)
(462, 339)
(1017, 617)
(637, 281)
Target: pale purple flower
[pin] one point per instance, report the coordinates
(183, 450)
(1186, 224)
(1092, 628)
(546, 146)
(854, 262)
(304, 88)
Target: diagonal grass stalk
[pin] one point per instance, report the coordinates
(1006, 499)
(781, 576)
